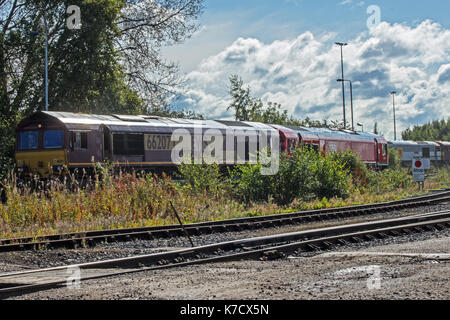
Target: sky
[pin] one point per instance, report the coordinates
(284, 50)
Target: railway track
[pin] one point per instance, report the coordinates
(91, 238)
(265, 247)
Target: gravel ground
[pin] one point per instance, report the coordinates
(16, 261)
(321, 276)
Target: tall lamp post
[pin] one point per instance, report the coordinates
(351, 98)
(34, 33)
(341, 44)
(393, 108)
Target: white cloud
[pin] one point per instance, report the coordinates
(301, 75)
(343, 3)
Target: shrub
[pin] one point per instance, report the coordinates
(201, 178)
(394, 161)
(333, 179)
(353, 164)
(389, 180)
(248, 183)
(304, 174)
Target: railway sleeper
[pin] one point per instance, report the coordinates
(369, 237)
(179, 259)
(342, 242)
(394, 233)
(355, 239)
(381, 235)
(440, 226)
(407, 231)
(429, 228)
(313, 247)
(327, 244)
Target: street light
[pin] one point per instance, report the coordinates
(393, 108)
(351, 98)
(35, 33)
(361, 125)
(341, 44)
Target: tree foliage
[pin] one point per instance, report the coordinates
(437, 130)
(248, 108)
(112, 64)
(145, 28)
(84, 69)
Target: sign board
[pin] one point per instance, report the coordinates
(426, 163)
(418, 169)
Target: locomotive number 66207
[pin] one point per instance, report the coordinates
(158, 142)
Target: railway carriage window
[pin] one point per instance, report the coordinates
(28, 140)
(128, 144)
(292, 145)
(79, 140)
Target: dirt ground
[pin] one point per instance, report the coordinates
(364, 274)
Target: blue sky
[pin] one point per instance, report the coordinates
(223, 21)
(284, 47)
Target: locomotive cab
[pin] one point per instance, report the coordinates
(41, 146)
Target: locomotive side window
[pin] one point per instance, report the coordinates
(128, 144)
(79, 140)
(53, 139)
(292, 146)
(384, 149)
(28, 140)
(426, 152)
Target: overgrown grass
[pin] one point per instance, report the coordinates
(305, 181)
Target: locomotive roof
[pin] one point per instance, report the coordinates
(289, 133)
(412, 143)
(127, 120)
(323, 133)
(133, 123)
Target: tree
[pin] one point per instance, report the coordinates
(146, 27)
(242, 102)
(116, 53)
(84, 71)
(433, 131)
(248, 108)
(111, 65)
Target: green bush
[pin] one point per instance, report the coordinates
(200, 178)
(443, 176)
(353, 164)
(393, 159)
(305, 174)
(389, 180)
(333, 179)
(248, 183)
